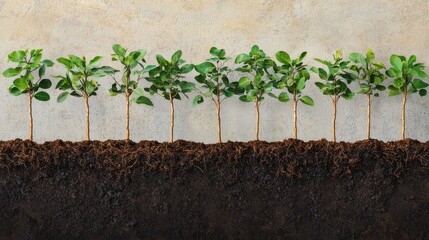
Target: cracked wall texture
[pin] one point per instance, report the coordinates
(90, 27)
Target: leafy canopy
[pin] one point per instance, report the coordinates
(166, 78)
(132, 66)
(368, 72)
(407, 76)
(292, 74)
(335, 77)
(213, 78)
(256, 64)
(79, 80)
(29, 74)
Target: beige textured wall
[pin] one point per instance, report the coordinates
(90, 27)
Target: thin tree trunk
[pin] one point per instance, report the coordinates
(127, 117)
(334, 118)
(404, 102)
(87, 117)
(219, 129)
(30, 112)
(295, 131)
(171, 118)
(368, 131)
(257, 118)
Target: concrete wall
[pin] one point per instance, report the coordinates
(90, 27)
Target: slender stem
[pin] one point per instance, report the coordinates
(219, 128)
(404, 102)
(87, 116)
(334, 118)
(171, 118)
(127, 118)
(257, 117)
(368, 131)
(295, 131)
(30, 112)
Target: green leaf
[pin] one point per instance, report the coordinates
(45, 83)
(187, 68)
(197, 100)
(144, 100)
(283, 57)
(48, 63)
(205, 67)
(42, 71)
(423, 92)
(357, 58)
(77, 61)
(398, 82)
(300, 84)
(245, 98)
(283, 97)
(94, 61)
(67, 63)
(161, 60)
(307, 100)
(380, 87)
(370, 56)
(63, 96)
(16, 56)
(244, 82)
(419, 84)
(302, 56)
(187, 86)
(396, 62)
(242, 58)
(176, 56)
(119, 50)
(138, 91)
(12, 72)
(14, 91)
(42, 96)
(21, 83)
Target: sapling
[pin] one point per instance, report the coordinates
(79, 81)
(407, 77)
(132, 65)
(214, 83)
(166, 79)
(29, 73)
(256, 64)
(292, 75)
(336, 81)
(370, 78)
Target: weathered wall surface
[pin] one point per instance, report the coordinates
(90, 27)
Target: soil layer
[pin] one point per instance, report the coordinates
(185, 190)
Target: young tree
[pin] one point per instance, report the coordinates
(368, 73)
(29, 74)
(79, 80)
(407, 80)
(166, 79)
(214, 83)
(336, 82)
(292, 75)
(132, 65)
(256, 64)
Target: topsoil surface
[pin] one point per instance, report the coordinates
(185, 190)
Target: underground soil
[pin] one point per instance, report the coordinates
(186, 190)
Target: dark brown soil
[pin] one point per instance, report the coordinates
(186, 190)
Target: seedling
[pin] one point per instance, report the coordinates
(79, 81)
(132, 65)
(292, 75)
(256, 64)
(407, 80)
(368, 73)
(166, 82)
(27, 81)
(336, 81)
(214, 83)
